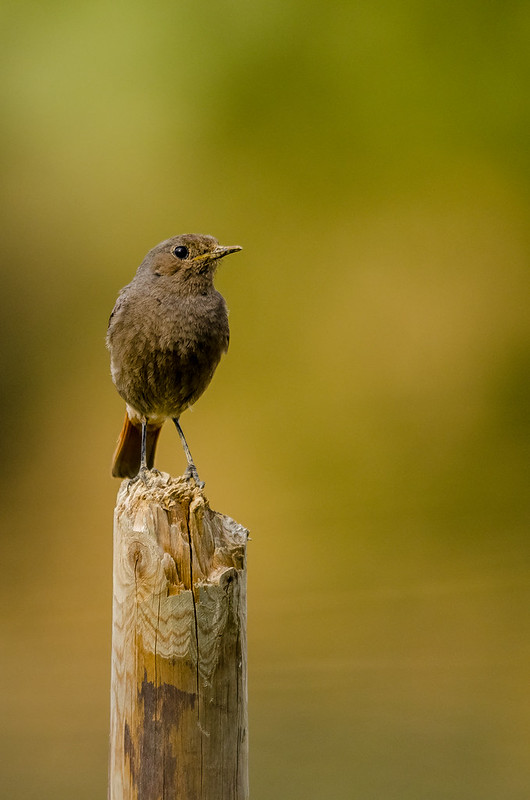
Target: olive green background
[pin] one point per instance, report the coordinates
(370, 423)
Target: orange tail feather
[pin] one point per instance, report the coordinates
(126, 461)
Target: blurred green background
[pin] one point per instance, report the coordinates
(370, 424)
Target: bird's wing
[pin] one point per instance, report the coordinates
(117, 306)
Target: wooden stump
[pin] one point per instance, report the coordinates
(179, 671)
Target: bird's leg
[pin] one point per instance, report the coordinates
(143, 451)
(191, 471)
(142, 472)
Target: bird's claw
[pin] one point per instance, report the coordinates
(191, 472)
(143, 475)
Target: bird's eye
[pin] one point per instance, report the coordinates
(181, 251)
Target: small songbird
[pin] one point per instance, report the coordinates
(166, 335)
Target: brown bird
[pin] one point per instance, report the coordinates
(166, 335)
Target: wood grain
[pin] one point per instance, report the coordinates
(179, 724)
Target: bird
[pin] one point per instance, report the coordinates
(166, 335)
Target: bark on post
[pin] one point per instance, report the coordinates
(179, 664)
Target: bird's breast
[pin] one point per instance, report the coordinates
(164, 357)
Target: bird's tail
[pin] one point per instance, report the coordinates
(126, 461)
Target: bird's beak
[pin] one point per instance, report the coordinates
(221, 252)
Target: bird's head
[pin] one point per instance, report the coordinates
(188, 257)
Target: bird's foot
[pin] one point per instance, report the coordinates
(143, 475)
(191, 472)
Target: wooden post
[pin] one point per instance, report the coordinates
(179, 662)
